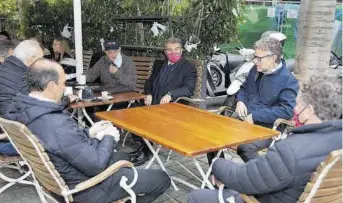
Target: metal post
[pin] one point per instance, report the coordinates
(78, 38)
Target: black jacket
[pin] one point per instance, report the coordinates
(180, 81)
(76, 156)
(281, 175)
(12, 81)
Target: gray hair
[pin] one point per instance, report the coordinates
(40, 73)
(27, 49)
(270, 45)
(173, 40)
(324, 93)
(5, 45)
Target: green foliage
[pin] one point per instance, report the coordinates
(8, 8)
(213, 22)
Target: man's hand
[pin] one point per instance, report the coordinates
(241, 109)
(216, 182)
(148, 100)
(113, 69)
(249, 119)
(98, 126)
(166, 99)
(72, 98)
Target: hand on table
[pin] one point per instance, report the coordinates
(148, 100)
(241, 110)
(72, 98)
(166, 99)
(112, 69)
(249, 119)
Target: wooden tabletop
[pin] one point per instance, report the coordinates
(187, 130)
(118, 97)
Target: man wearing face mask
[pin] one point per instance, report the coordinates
(116, 71)
(172, 78)
(269, 93)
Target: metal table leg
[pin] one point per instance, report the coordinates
(155, 153)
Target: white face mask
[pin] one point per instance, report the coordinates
(119, 60)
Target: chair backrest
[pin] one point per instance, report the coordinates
(143, 69)
(87, 57)
(325, 184)
(200, 71)
(31, 150)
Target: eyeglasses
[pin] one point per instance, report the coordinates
(258, 59)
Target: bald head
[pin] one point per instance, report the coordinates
(42, 73)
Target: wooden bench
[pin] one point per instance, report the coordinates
(87, 57)
(143, 68)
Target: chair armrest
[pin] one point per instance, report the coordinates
(280, 121)
(249, 199)
(224, 108)
(102, 176)
(191, 100)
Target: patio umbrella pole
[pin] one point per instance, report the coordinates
(78, 38)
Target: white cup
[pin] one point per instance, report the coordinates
(82, 80)
(104, 94)
(68, 90)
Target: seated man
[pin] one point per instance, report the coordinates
(116, 71)
(75, 155)
(170, 79)
(269, 93)
(6, 50)
(12, 81)
(281, 175)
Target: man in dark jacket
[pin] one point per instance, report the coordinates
(76, 156)
(116, 71)
(281, 175)
(172, 78)
(12, 80)
(269, 93)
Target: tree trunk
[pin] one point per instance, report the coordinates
(314, 39)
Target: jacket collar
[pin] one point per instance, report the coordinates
(321, 127)
(15, 63)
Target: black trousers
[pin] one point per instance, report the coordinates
(150, 185)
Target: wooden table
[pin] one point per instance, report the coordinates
(186, 130)
(117, 98)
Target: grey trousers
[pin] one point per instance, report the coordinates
(150, 184)
(211, 196)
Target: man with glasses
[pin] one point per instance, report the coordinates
(269, 93)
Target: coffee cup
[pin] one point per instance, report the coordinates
(104, 94)
(82, 80)
(68, 91)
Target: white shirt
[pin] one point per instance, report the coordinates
(40, 97)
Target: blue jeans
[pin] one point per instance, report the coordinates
(6, 148)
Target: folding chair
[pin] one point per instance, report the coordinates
(43, 172)
(325, 184)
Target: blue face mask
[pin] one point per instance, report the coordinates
(119, 60)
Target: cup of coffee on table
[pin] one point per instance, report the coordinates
(104, 94)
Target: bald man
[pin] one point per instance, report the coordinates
(76, 156)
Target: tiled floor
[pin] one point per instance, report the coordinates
(24, 193)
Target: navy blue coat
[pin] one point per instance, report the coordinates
(274, 98)
(12, 81)
(76, 156)
(281, 175)
(180, 81)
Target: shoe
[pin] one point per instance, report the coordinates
(138, 151)
(140, 159)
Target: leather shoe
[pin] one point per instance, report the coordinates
(138, 151)
(139, 159)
